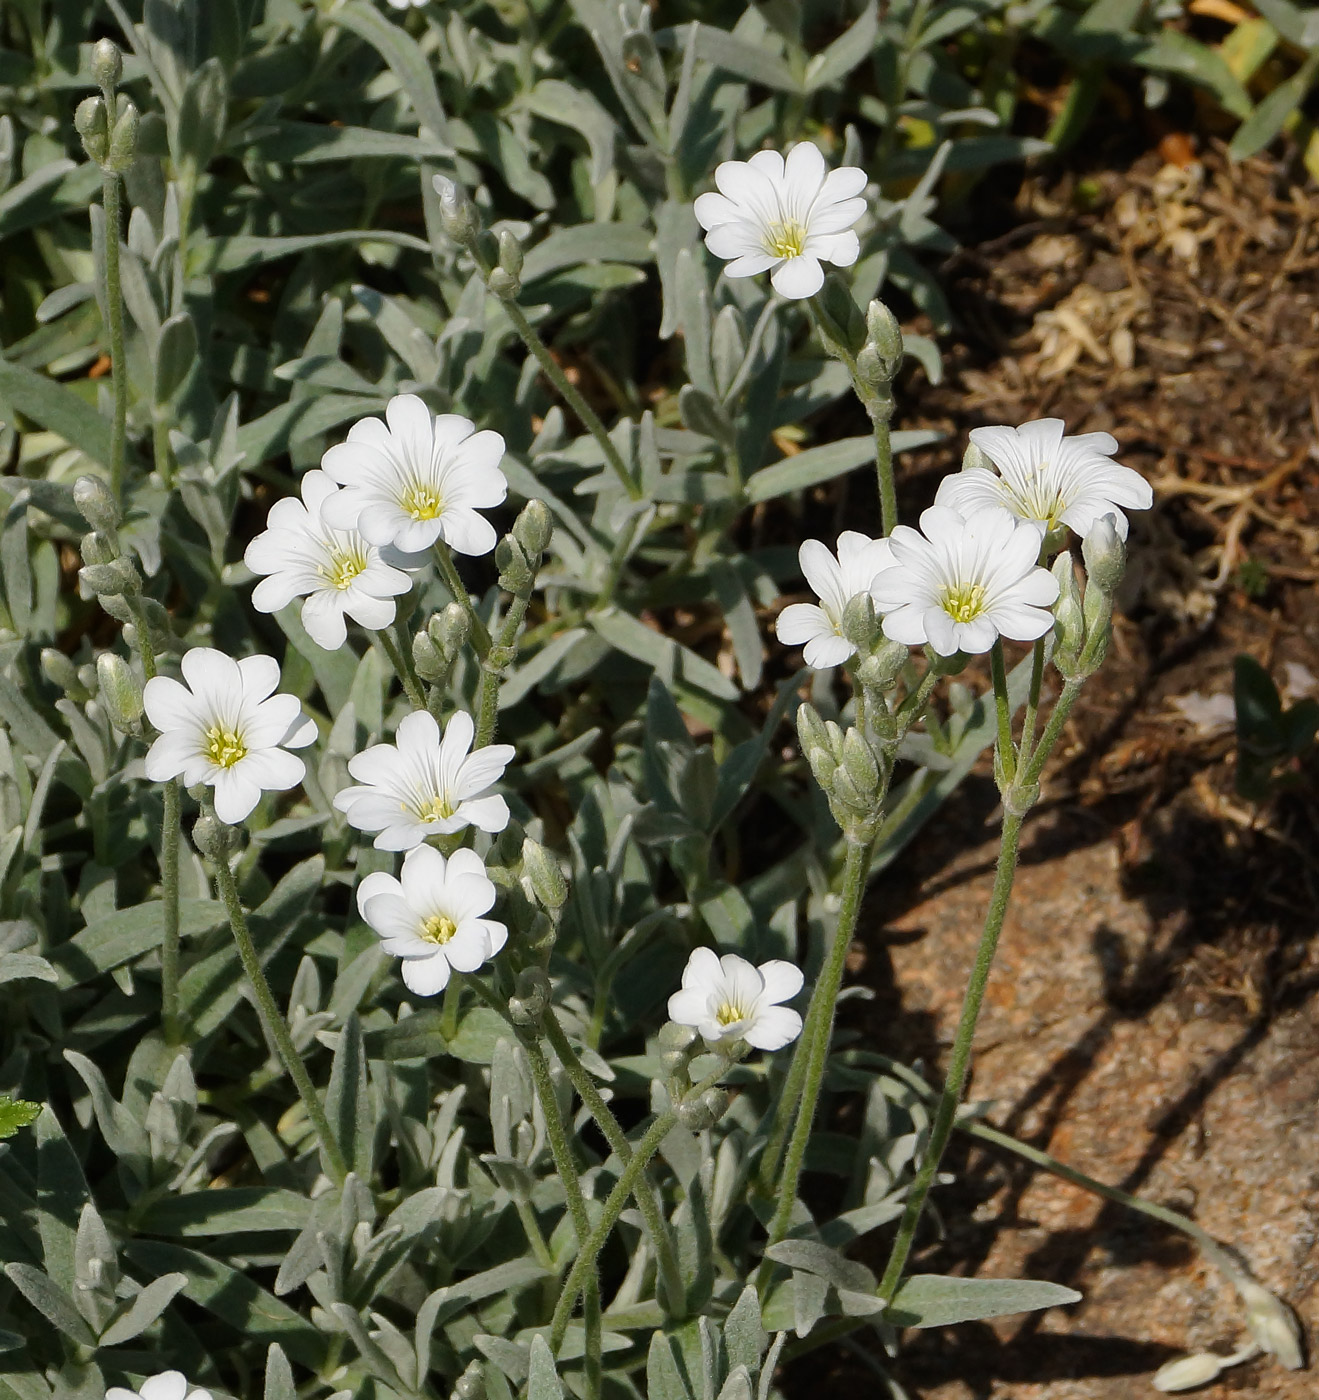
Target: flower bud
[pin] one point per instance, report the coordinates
(213, 838)
(544, 875)
(117, 606)
(881, 356)
(91, 123)
(840, 318)
(704, 1112)
(98, 548)
(503, 284)
(60, 671)
(533, 528)
(881, 669)
(117, 576)
(449, 629)
(1187, 1372)
(1069, 622)
(427, 659)
(976, 457)
(860, 626)
(107, 63)
(674, 1037)
(515, 571)
(531, 995)
(93, 498)
(811, 733)
(459, 217)
(1272, 1324)
(1105, 555)
(510, 253)
(123, 140)
(860, 764)
(120, 692)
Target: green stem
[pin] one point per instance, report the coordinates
(497, 660)
(1003, 705)
(572, 396)
(1032, 701)
(624, 1187)
(881, 415)
(169, 945)
(114, 309)
(656, 1226)
(1035, 764)
(561, 1150)
(960, 1063)
(453, 582)
(272, 1018)
(824, 1001)
(402, 670)
(618, 557)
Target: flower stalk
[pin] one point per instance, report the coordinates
(271, 1017)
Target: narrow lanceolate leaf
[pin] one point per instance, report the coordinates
(51, 1301)
(542, 1379)
(348, 1101)
(127, 934)
(57, 409)
(823, 463)
(145, 1308)
(405, 58)
(933, 1300)
(16, 1114)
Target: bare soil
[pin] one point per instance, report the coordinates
(1152, 1018)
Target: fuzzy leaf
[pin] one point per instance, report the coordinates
(932, 1300)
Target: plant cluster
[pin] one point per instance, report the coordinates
(421, 951)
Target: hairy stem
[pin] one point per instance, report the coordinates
(881, 415)
(1003, 706)
(402, 670)
(584, 1265)
(273, 1020)
(453, 582)
(656, 1226)
(169, 945)
(817, 1035)
(114, 310)
(497, 660)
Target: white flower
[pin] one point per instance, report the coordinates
(226, 729)
(417, 478)
(1045, 476)
(959, 584)
(819, 628)
(169, 1385)
(424, 785)
(730, 999)
(431, 916)
(407, 4)
(337, 571)
(783, 217)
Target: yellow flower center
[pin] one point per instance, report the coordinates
(422, 501)
(439, 928)
(786, 239)
(964, 602)
(223, 747)
(344, 566)
(434, 810)
(728, 1013)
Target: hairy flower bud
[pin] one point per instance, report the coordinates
(674, 1037)
(123, 139)
(449, 629)
(531, 995)
(533, 528)
(811, 733)
(120, 692)
(471, 1384)
(93, 498)
(860, 764)
(93, 126)
(107, 63)
(98, 548)
(427, 659)
(516, 573)
(503, 284)
(510, 253)
(116, 576)
(213, 838)
(881, 669)
(976, 457)
(840, 318)
(860, 626)
(544, 875)
(60, 671)
(1105, 555)
(881, 356)
(459, 217)
(1069, 623)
